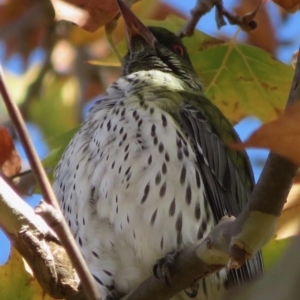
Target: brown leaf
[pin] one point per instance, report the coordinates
(288, 5)
(89, 15)
(79, 36)
(13, 9)
(24, 25)
(282, 135)
(258, 37)
(10, 161)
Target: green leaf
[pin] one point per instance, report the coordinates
(56, 109)
(59, 144)
(244, 80)
(274, 249)
(241, 80)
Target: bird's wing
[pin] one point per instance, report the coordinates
(226, 173)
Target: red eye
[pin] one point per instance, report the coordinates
(178, 49)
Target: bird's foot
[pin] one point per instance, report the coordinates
(163, 266)
(194, 290)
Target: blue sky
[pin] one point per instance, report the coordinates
(289, 31)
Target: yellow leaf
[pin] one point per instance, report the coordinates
(17, 283)
(273, 251)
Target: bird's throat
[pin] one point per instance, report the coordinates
(155, 86)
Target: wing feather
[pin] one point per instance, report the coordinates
(227, 174)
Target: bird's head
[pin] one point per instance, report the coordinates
(156, 48)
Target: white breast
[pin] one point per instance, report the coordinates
(130, 188)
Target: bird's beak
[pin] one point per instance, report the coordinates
(134, 26)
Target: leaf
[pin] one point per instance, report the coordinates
(59, 98)
(17, 283)
(24, 25)
(144, 9)
(288, 5)
(18, 84)
(88, 15)
(263, 18)
(10, 160)
(241, 80)
(281, 136)
(59, 144)
(273, 251)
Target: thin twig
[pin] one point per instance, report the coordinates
(202, 7)
(64, 235)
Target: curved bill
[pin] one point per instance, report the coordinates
(134, 26)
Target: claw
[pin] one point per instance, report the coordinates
(155, 271)
(161, 270)
(163, 266)
(194, 287)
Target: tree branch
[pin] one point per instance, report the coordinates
(281, 282)
(37, 243)
(202, 7)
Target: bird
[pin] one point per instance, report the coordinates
(149, 171)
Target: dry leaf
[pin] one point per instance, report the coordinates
(288, 5)
(143, 9)
(89, 15)
(282, 135)
(10, 161)
(264, 36)
(24, 25)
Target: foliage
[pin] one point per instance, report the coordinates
(17, 281)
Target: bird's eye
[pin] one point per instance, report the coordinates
(178, 49)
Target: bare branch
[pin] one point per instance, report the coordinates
(202, 7)
(37, 243)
